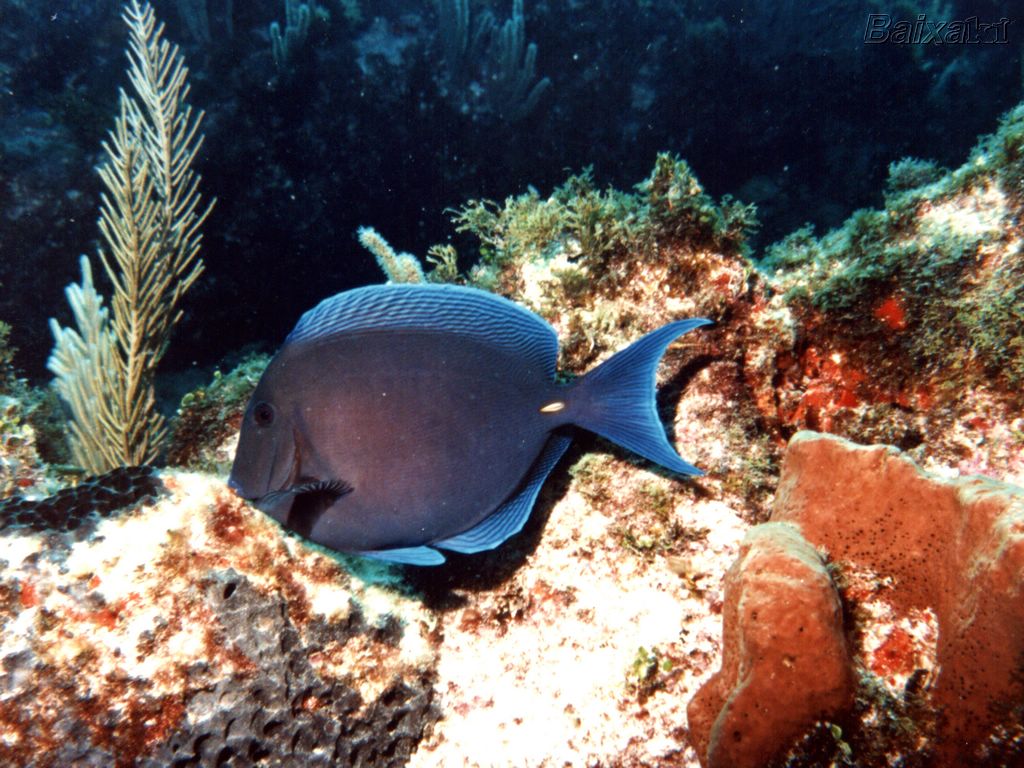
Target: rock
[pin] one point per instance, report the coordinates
(578, 651)
(190, 631)
(952, 548)
(783, 642)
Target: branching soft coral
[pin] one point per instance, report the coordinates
(150, 217)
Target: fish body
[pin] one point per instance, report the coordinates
(399, 420)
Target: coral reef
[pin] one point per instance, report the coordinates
(952, 235)
(591, 634)
(193, 629)
(903, 326)
(734, 397)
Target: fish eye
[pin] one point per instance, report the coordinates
(263, 414)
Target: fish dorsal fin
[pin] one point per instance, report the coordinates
(508, 519)
(468, 312)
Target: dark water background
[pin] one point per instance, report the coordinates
(781, 104)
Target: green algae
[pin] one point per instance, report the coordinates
(594, 225)
(945, 247)
(210, 414)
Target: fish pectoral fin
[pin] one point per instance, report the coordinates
(508, 519)
(407, 555)
(334, 488)
(310, 500)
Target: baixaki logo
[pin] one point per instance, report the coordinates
(883, 28)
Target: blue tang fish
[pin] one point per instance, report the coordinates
(398, 420)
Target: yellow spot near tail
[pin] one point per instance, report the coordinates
(554, 407)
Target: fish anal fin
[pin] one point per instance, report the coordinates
(407, 555)
(508, 519)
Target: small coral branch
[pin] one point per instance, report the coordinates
(399, 267)
(488, 62)
(285, 42)
(82, 361)
(463, 40)
(511, 84)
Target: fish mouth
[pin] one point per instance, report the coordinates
(276, 503)
(236, 488)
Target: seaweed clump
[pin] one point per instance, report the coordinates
(595, 225)
(940, 261)
(209, 416)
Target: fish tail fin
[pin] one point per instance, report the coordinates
(617, 399)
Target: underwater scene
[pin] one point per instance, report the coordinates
(599, 383)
